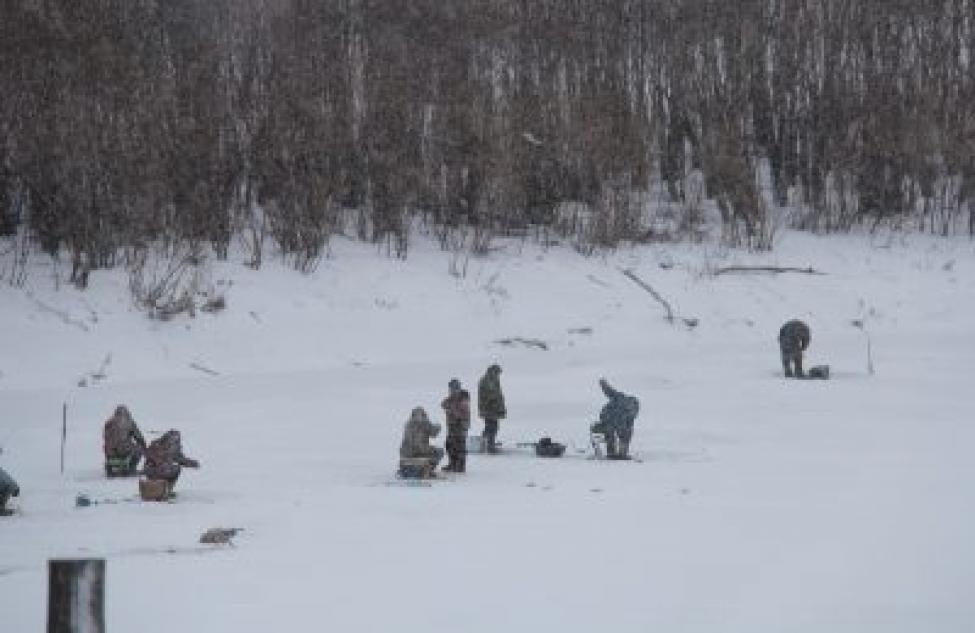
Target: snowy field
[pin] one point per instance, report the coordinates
(760, 504)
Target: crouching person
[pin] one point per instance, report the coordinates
(164, 462)
(794, 338)
(418, 458)
(123, 444)
(616, 421)
(8, 488)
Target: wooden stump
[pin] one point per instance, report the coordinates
(76, 596)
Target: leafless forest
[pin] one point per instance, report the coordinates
(204, 123)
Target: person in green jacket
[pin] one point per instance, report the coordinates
(490, 405)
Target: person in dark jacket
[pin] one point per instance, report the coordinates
(794, 338)
(8, 488)
(616, 421)
(416, 438)
(457, 407)
(490, 405)
(123, 443)
(165, 459)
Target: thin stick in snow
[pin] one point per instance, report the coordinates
(61, 314)
(64, 431)
(669, 312)
(767, 269)
(205, 370)
(859, 324)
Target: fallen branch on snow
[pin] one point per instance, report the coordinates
(669, 315)
(767, 269)
(205, 370)
(527, 342)
(61, 314)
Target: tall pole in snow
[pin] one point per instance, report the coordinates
(869, 355)
(64, 432)
(76, 596)
(859, 323)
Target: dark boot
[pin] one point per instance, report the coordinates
(461, 465)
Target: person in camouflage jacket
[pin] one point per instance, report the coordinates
(490, 405)
(416, 438)
(122, 438)
(457, 407)
(794, 338)
(165, 459)
(616, 421)
(8, 488)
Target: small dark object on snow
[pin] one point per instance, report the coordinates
(819, 371)
(220, 535)
(82, 501)
(547, 448)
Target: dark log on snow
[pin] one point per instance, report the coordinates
(76, 596)
(767, 269)
(205, 370)
(668, 311)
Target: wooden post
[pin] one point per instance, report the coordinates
(64, 432)
(76, 596)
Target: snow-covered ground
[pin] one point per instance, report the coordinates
(760, 504)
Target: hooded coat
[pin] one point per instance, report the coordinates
(794, 337)
(121, 437)
(490, 399)
(619, 413)
(164, 457)
(416, 435)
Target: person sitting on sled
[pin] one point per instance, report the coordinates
(165, 459)
(616, 421)
(416, 440)
(123, 443)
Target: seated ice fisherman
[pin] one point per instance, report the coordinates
(616, 421)
(165, 459)
(123, 444)
(417, 457)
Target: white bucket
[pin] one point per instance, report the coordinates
(475, 444)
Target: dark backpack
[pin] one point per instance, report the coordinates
(547, 448)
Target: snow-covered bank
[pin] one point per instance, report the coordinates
(760, 504)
